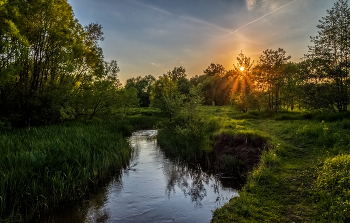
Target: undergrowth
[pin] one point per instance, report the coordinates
(41, 168)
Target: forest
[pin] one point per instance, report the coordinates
(54, 79)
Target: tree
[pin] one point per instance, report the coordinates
(331, 50)
(193, 101)
(126, 99)
(165, 93)
(290, 90)
(45, 56)
(243, 88)
(143, 86)
(214, 69)
(315, 94)
(270, 76)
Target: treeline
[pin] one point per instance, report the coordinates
(320, 82)
(51, 67)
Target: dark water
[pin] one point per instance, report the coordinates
(152, 189)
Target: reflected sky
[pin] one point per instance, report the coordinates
(151, 189)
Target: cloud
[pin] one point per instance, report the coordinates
(183, 17)
(274, 10)
(154, 64)
(262, 4)
(250, 4)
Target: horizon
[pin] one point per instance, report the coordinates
(153, 36)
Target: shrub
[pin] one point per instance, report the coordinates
(333, 184)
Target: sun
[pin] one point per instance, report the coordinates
(242, 68)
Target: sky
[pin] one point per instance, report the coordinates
(154, 36)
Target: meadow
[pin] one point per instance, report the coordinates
(294, 165)
(302, 174)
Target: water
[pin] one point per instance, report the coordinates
(152, 189)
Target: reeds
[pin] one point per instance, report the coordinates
(40, 168)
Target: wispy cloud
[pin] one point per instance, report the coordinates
(187, 18)
(250, 4)
(154, 64)
(260, 17)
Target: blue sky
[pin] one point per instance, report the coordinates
(154, 36)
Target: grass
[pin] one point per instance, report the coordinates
(303, 179)
(303, 172)
(302, 176)
(42, 168)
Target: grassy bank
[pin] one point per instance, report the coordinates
(302, 174)
(44, 167)
(303, 179)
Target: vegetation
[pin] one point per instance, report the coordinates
(43, 167)
(301, 179)
(286, 130)
(301, 174)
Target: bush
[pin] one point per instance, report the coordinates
(333, 184)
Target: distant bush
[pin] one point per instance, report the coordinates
(345, 124)
(331, 117)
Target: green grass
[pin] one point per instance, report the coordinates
(304, 178)
(303, 173)
(44, 167)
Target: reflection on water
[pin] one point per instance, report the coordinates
(152, 189)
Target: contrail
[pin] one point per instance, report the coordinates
(260, 17)
(188, 18)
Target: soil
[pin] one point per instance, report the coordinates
(246, 148)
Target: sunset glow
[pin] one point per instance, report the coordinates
(242, 69)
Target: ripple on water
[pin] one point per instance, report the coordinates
(152, 189)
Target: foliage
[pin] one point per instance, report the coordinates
(270, 76)
(243, 97)
(333, 185)
(126, 99)
(43, 167)
(165, 93)
(331, 55)
(215, 69)
(143, 86)
(51, 67)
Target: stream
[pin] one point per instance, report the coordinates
(152, 188)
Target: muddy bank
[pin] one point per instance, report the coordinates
(238, 154)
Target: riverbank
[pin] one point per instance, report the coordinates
(42, 168)
(302, 175)
(304, 178)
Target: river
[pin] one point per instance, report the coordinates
(152, 188)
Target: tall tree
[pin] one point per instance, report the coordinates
(269, 74)
(45, 55)
(243, 88)
(331, 49)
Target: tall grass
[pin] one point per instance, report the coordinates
(41, 168)
(187, 140)
(333, 188)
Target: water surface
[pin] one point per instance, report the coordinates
(152, 189)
